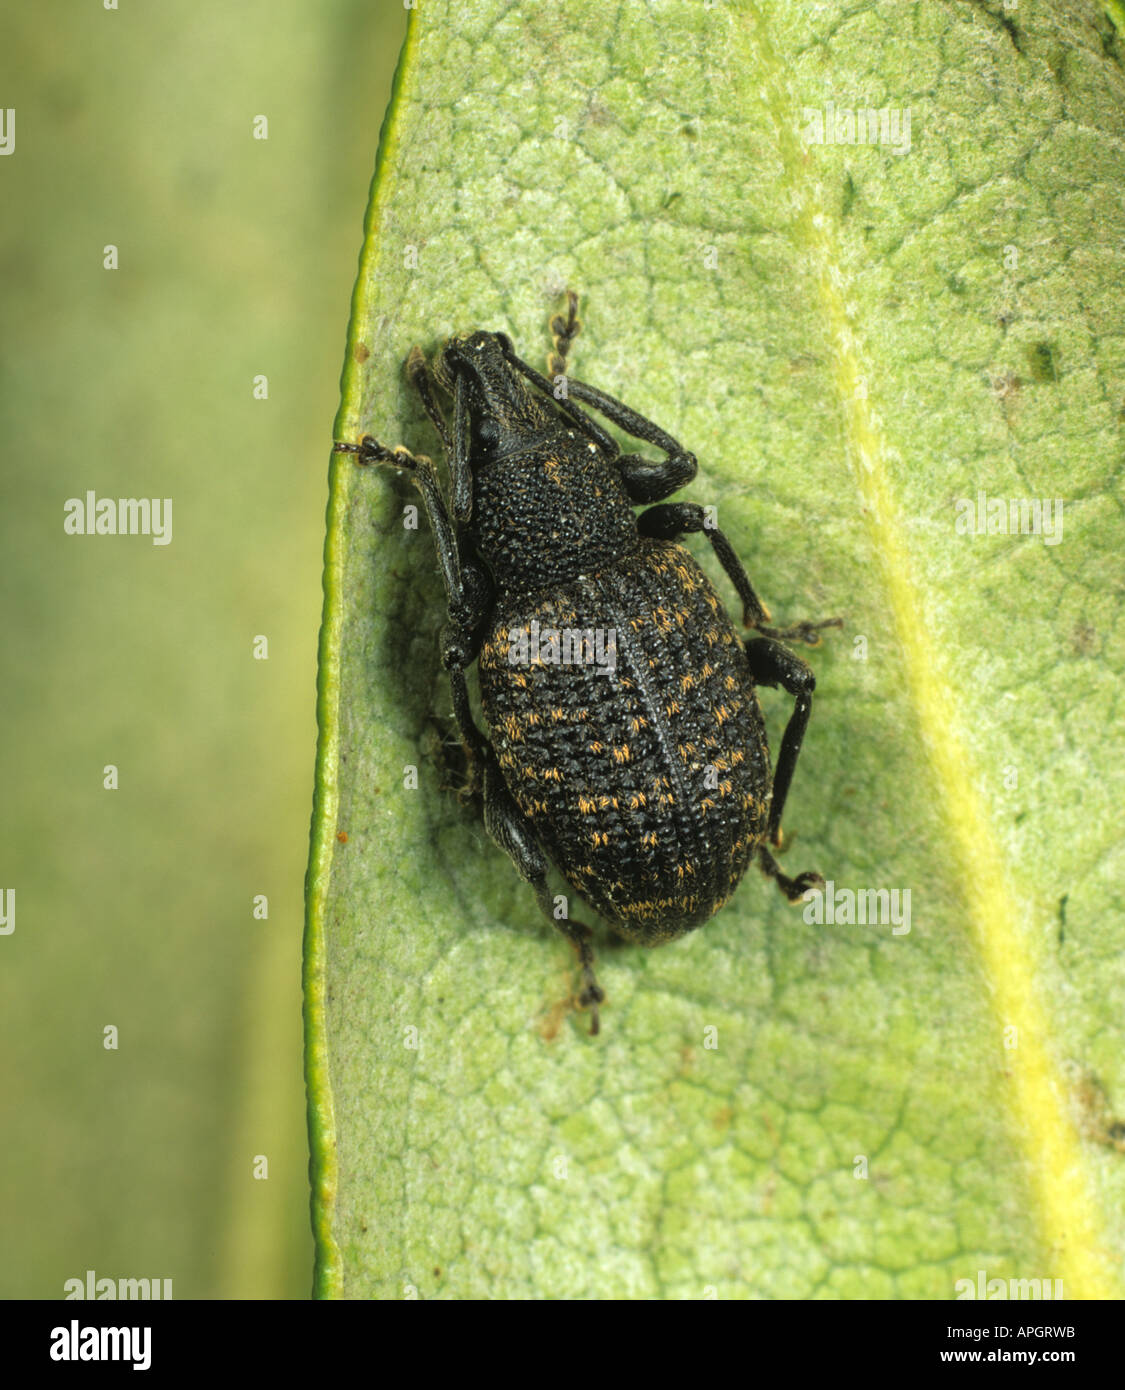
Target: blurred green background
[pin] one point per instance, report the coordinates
(134, 907)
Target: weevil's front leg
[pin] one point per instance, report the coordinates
(424, 474)
(457, 443)
(509, 827)
(563, 332)
(645, 481)
(420, 377)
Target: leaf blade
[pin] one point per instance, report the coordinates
(731, 1168)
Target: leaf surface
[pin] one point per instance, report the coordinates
(858, 341)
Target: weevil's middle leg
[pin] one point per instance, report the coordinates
(467, 586)
(509, 827)
(672, 519)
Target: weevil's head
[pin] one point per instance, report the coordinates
(501, 407)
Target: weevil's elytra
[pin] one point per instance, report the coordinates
(681, 757)
(624, 735)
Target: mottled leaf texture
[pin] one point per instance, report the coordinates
(883, 353)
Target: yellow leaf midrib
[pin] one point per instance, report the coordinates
(1069, 1219)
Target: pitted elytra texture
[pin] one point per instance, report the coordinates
(648, 789)
(625, 740)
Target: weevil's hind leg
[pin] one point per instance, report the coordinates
(774, 665)
(508, 826)
(793, 888)
(563, 333)
(580, 937)
(770, 664)
(805, 632)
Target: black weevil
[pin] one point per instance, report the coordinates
(625, 738)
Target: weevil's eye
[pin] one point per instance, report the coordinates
(504, 341)
(488, 432)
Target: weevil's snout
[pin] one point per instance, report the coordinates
(478, 358)
(498, 399)
(464, 352)
(478, 342)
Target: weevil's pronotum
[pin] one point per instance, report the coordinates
(624, 739)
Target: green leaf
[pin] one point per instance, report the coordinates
(852, 338)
